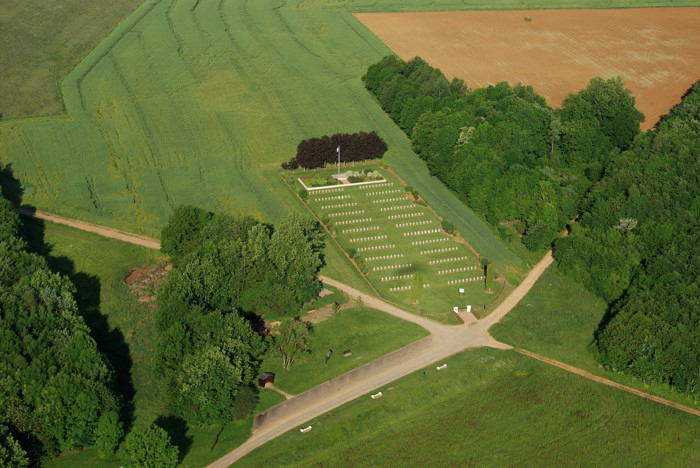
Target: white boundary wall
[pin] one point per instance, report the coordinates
(383, 181)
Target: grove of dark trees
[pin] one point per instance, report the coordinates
(56, 388)
(529, 169)
(228, 272)
(316, 152)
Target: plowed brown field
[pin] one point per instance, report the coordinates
(656, 51)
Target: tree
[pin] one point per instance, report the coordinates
(108, 433)
(291, 341)
(150, 447)
(12, 455)
(181, 233)
(489, 276)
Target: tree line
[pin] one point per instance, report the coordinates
(56, 388)
(317, 152)
(228, 273)
(528, 169)
(523, 166)
(637, 245)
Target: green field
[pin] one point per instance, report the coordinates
(491, 408)
(400, 245)
(199, 102)
(558, 319)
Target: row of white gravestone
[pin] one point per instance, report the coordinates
(383, 257)
(355, 221)
(447, 260)
(389, 200)
(421, 233)
(332, 189)
(337, 197)
(347, 213)
(429, 241)
(372, 238)
(455, 270)
(361, 229)
(339, 205)
(467, 280)
(406, 288)
(446, 249)
(376, 247)
(394, 278)
(398, 207)
(392, 267)
(381, 184)
(382, 192)
(404, 215)
(413, 223)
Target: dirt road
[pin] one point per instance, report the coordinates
(94, 228)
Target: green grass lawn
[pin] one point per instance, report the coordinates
(399, 244)
(491, 408)
(558, 319)
(368, 333)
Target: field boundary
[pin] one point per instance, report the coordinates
(608, 382)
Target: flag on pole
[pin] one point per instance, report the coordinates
(337, 150)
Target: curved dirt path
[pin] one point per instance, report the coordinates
(94, 228)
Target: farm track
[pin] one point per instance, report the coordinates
(103, 231)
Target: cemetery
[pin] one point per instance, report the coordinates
(398, 244)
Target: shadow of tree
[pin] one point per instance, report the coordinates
(110, 341)
(176, 428)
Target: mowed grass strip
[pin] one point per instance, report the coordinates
(401, 241)
(491, 408)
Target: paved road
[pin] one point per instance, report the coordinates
(444, 341)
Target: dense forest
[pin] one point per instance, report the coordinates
(228, 273)
(637, 245)
(527, 167)
(520, 164)
(56, 388)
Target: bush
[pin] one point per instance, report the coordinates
(448, 226)
(150, 447)
(303, 193)
(352, 251)
(354, 180)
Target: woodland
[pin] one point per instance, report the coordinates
(530, 171)
(229, 273)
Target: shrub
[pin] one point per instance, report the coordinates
(150, 446)
(303, 193)
(352, 251)
(448, 226)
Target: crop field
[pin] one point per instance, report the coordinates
(655, 51)
(401, 246)
(199, 102)
(491, 408)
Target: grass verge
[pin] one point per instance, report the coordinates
(491, 408)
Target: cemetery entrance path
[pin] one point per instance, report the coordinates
(443, 341)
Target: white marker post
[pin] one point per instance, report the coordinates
(338, 151)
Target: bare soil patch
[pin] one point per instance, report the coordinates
(143, 281)
(656, 51)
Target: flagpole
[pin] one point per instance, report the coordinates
(338, 160)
